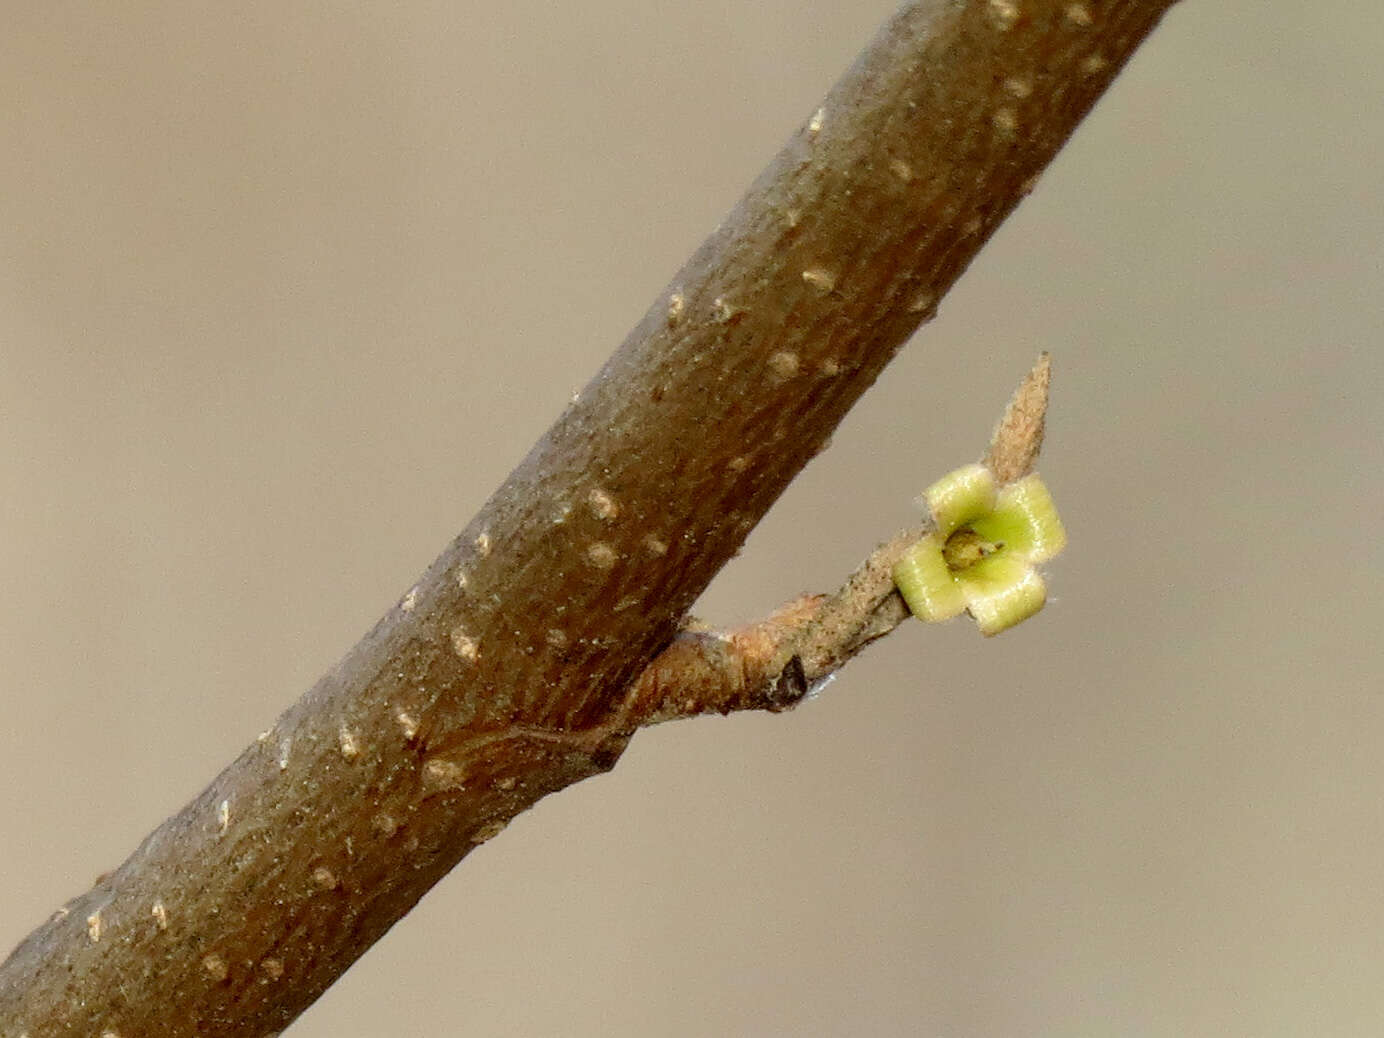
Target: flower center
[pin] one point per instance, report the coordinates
(965, 548)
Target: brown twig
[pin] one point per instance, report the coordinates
(495, 680)
(771, 664)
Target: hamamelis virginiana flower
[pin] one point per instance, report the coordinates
(984, 554)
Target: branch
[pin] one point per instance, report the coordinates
(772, 664)
(498, 677)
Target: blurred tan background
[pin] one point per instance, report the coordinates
(286, 290)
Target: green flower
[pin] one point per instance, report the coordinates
(983, 554)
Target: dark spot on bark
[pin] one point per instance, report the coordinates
(604, 756)
(789, 688)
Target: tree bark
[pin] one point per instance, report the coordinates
(505, 674)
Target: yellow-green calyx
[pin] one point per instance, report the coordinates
(982, 557)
